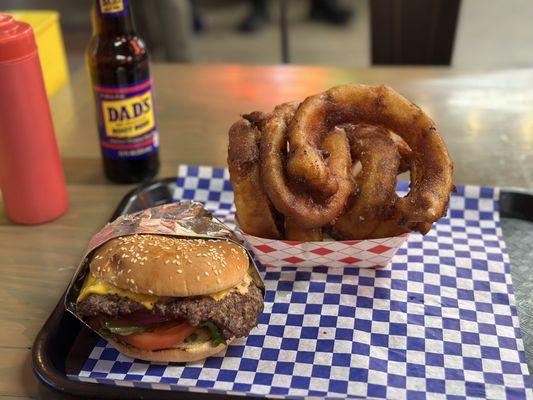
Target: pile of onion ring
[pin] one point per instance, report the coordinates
(329, 166)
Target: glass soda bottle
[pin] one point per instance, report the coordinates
(125, 109)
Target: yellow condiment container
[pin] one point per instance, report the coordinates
(49, 40)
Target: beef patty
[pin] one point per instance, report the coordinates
(235, 314)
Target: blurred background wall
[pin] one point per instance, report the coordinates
(490, 34)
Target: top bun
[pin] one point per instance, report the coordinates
(170, 266)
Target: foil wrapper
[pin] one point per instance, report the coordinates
(186, 219)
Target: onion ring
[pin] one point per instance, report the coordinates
(430, 165)
(373, 201)
(296, 233)
(330, 165)
(255, 212)
(308, 209)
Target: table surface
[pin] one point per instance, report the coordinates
(486, 118)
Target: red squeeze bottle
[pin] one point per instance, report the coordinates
(31, 175)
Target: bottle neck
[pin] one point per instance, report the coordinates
(112, 17)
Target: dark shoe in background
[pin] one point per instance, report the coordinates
(257, 18)
(198, 25)
(330, 11)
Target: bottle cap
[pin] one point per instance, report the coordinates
(16, 39)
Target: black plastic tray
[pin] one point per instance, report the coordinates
(63, 344)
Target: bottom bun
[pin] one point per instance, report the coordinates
(194, 352)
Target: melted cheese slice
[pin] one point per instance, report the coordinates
(241, 288)
(93, 285)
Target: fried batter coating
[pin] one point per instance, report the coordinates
(307, 209)
(255, 212)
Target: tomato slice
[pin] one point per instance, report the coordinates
(162, 337)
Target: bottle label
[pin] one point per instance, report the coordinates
(112, 8)
(126, 120)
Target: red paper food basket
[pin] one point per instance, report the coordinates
(372, 253)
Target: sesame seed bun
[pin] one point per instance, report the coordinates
(196, 352)
(170, 266)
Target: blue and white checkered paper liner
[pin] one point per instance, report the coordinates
(439, 322)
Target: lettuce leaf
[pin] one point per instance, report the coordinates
(216, 336)
(193, 337)
(120, 327)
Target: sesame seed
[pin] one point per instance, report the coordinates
(179, 271)
(198, 278)
(206, 273)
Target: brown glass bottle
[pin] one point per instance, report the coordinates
(119, 68)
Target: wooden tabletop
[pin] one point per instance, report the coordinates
(485, 117)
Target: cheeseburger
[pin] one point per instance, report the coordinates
(162, 298)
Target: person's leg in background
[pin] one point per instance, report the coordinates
(198, 25)
(166, 27)
(257, 17)
(144, 18)
(175, 20)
